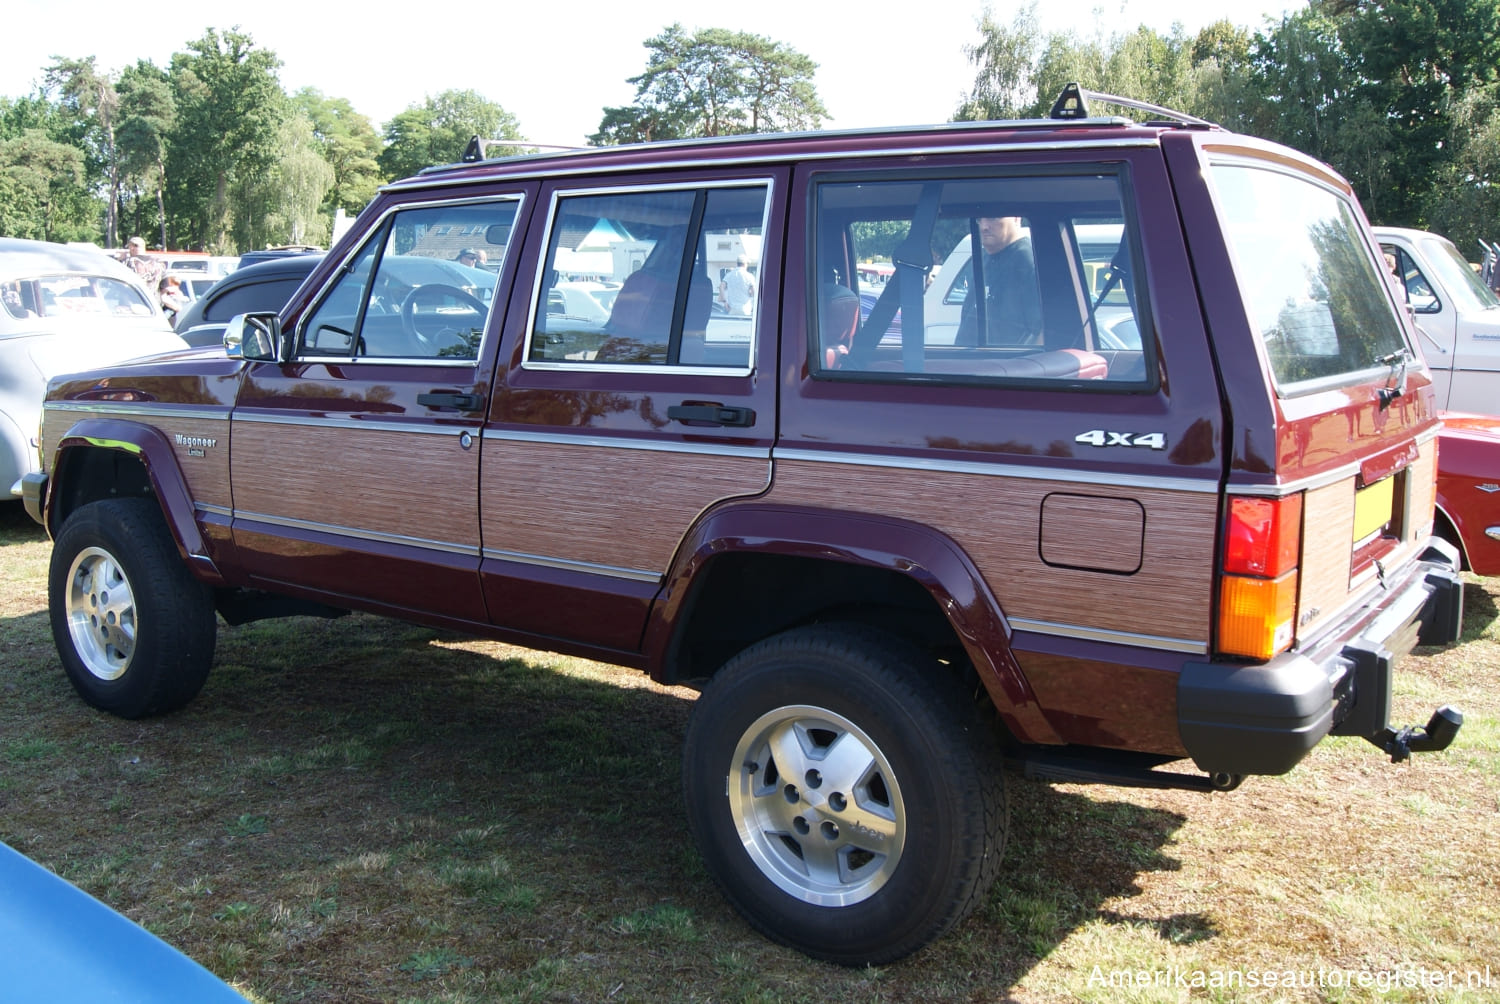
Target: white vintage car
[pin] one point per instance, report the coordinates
(62, 309)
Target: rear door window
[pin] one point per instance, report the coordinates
(1015, 278)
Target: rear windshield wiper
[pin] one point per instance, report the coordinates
(1397, 362)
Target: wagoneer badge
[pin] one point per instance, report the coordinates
(197, 445)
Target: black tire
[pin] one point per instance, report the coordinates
(845, 793)
(134, 629)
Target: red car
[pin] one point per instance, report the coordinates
(1468, 489)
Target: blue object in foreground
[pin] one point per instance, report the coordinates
(62, 945)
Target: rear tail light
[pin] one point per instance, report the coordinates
(1258, 587)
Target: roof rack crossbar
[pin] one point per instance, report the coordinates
(478, 149)
(1072, 103)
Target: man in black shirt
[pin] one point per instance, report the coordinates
(1012, 306)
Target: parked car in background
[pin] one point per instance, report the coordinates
(61, 309)
(263, 286)
(284, 251)
(1458, 318)
(61, 944)
(1468, 488)
(1457, 314)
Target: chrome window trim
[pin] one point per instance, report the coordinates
(538, 303)
(418, 428)
(555, 166)
(519, 198)
(113, 408)
(649, 445)
(356, 533)
(1204, 486)
(1160, 642)
(568, 565)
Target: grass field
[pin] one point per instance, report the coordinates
(361, 810)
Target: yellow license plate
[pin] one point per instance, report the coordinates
(1372, 507)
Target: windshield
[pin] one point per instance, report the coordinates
(1308, 280)
(1457, 277)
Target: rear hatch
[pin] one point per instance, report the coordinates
(1331, 484)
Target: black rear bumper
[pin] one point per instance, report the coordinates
(1264, 718)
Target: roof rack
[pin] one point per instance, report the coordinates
(1072, 103)
(478, 149)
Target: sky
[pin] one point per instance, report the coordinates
(556, 65)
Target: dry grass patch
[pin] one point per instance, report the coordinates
(361, 810)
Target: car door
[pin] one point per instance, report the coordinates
(355, 466)
(616, 428)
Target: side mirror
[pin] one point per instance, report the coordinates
(257, 337)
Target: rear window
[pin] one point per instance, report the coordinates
(1310, 285)
(1010, 278)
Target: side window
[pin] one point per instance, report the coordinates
(1409, 277)
(660, 277)
(421, 288)
(992, 279)
(64, 295)
(247, 298)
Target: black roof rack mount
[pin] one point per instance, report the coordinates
(1072, 103)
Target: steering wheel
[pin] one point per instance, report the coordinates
(437, 293)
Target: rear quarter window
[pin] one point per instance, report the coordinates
(1310, 286)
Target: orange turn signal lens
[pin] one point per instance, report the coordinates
(1256, 616)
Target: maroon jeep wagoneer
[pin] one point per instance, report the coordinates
(1140, 493)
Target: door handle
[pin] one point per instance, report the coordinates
(712, 414)
(449, 399)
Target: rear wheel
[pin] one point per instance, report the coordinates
(845, 793)
(134, 629)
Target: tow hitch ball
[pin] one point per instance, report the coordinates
(1440, 730)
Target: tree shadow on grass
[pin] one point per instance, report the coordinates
(348, 795)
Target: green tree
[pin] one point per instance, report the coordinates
(90, 96)
(1464, 204)
(349, 143)
(438, 130)
(281, 205)
(148, 114)
(230, 108)
(1005, 60)
(42, 188)
(715, 82)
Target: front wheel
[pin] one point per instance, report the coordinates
(134, 629)
(845, 793)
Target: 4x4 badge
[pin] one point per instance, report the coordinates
(1099, 437)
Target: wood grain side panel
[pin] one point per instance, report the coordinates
(618, 507)
(1421, 481)
(204, 466)
(1327, 580)
(996, 519)
(1327, 549)
(381, 480)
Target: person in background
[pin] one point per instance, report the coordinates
(149, 269)
(170, 292)
(1012, 305)
(472, 258)
(737, 288)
